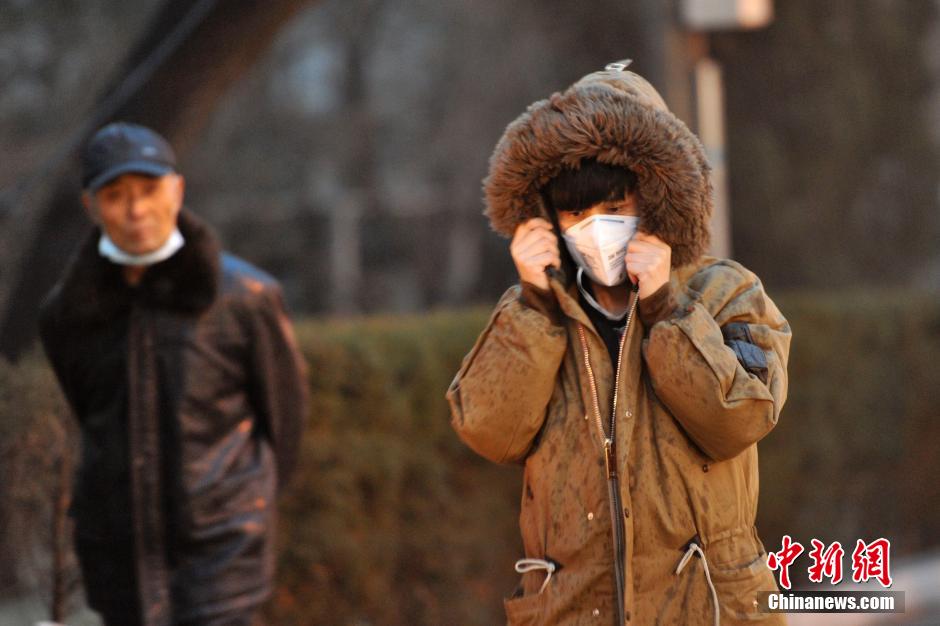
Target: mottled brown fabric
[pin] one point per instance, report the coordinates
(657, 306)
(689, 417)
(542, 300)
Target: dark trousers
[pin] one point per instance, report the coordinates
(242, 618)
(110, 578)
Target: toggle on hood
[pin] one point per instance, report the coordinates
(618, 118)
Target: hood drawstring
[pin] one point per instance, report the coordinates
(693, 548)
(529, 565)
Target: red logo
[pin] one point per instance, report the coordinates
(826, 563)
(872, 561)
(869, 560)
(783, 559)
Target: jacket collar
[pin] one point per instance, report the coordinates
(565, 292)
(94, 288)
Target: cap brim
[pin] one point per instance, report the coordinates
(147, 168)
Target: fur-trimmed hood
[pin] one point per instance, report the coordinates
(93, 288)
(618, 118)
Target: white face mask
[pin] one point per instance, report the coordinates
(599, 245)
(109, 250)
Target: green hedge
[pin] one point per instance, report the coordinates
(856, 454)
(37, 444)
(391, 520)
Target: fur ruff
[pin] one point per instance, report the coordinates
(618, 121)
(93, 289)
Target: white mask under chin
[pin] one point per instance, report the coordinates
(109, 250)
(599, 244)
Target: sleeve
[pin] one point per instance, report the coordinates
(657, 306)
(542, 300)
(279, 381)
(499, 397)
(719, 364)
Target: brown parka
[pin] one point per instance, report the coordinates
(675, 490)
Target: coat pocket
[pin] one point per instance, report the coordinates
(738, 588)
(523, 610)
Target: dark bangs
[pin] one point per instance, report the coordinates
(593, 182)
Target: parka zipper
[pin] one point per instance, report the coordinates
(609, 442)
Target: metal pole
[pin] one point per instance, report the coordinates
(709, 92)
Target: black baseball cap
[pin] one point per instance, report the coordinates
(124, 148)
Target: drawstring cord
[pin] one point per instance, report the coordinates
(529, 565)
(693, 548)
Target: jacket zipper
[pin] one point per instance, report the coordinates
(609, 443)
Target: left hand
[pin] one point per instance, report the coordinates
(648, 261)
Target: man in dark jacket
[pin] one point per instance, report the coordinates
(180, 365)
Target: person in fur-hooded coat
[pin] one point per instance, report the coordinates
(640, 487)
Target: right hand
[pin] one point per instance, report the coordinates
(534, 247)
